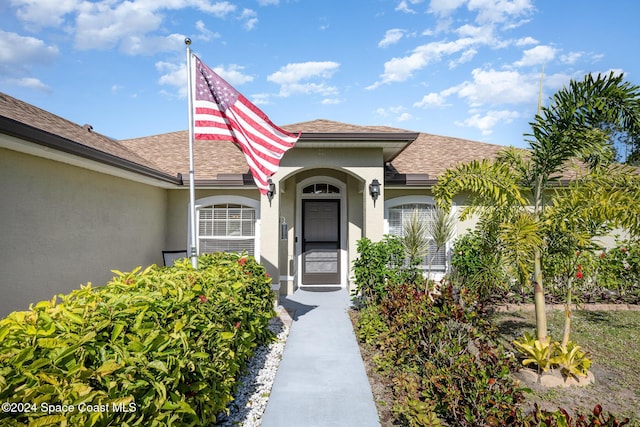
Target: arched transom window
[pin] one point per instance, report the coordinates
(321, 188)
(227, 227)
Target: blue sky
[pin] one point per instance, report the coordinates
(463, 68)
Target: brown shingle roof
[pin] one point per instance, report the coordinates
(433, 154)
(171, 152)
(36, 118)
(329, 126)
(168, 153)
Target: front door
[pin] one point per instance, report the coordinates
(321, 242)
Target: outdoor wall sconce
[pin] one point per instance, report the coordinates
(271, 191)
(374, 190)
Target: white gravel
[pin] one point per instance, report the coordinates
(255, 385)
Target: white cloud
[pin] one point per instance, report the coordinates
(485, 123)
(261, 98)
(127, 25)
(403, 6)
(205, 33)
(404, 117)
(143, 45)
(398, 112)
(291, 77)
(431, 100)
(101, 27)
(500, 11)
(173, 75)
(445, 7)
(29, 82)
(233, 74)
(391, 37)
(268, 2)
(526, 41)
(44, 13)
(571, 57)
(17, 50)
(291, 73)
(499, 87)
(466, 56)
(401, 69)
(536, 56)
(18, 54)
(331, 101)
(250, 18)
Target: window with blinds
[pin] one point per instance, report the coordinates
(226, 227)
(399, 214)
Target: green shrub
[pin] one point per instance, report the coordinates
(370, 325)
(160, 347)
(618, 270)
(478, 266)
(561, 418)
(441, 356)
(378, 264)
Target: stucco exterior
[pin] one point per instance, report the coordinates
(63, 226)
(75, 204)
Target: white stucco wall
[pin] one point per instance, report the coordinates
(63, 226)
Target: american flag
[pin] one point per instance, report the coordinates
(223, 113)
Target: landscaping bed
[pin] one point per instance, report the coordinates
(612, 337)
(163, 346)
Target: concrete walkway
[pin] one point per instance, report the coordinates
(321, 380)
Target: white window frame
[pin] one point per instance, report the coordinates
(234, 200)
(425, 200)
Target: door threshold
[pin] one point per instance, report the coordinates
(321, 288)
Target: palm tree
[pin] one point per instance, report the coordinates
(592, 206)
(577, 124)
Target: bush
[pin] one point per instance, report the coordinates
(478, 266)
(377, 265)
(164, 346)
(561, 418)
(442, 358)
(618, 270)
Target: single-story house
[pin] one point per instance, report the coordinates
(75, 204)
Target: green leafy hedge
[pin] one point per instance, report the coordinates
(158, 347)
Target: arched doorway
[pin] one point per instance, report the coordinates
(321, 242)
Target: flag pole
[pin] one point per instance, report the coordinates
(192, 192)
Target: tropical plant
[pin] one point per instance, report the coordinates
(535, 351)
(545, 355)
(415, 238)
(572, 360)
(589, 208)
(577, 124)
(419, 236)
(441, 230)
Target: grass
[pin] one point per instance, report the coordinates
(612, 338)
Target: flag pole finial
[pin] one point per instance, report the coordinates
(187, 41)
